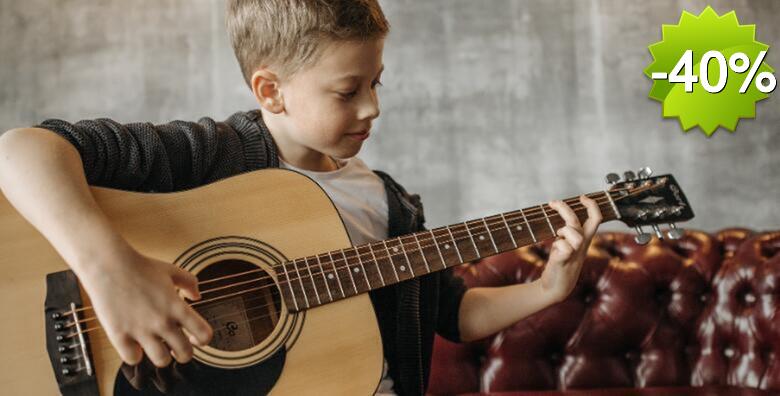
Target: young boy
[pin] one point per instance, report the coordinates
(313, 67)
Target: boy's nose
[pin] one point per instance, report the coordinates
(369, 107)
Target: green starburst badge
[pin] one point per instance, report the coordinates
(709, 71)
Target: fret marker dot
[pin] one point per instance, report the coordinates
(519, 228)
(395, 249)
(481, 237)
(402, 268)
(330, 276)
(447, 246)
(356, 269)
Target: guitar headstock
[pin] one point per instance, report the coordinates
(643, 200)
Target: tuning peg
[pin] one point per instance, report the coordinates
(674, 232)
(612, 178)
(645, 172)
(628, 176)
(660, 211)
(658, 232)
(641, 237)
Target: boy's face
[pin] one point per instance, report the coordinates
(329, 106)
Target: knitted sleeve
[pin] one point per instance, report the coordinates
(451, 291)
(175, 156)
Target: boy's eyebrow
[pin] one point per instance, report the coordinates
(355, 76)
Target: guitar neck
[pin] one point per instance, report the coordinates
(315, 280)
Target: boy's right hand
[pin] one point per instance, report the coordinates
(134, 296)
(136, 301)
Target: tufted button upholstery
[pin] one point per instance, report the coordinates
(698, 311)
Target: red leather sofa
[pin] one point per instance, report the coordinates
(694, 316)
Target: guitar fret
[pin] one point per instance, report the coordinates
(502, 237)
(443, 262)
(509, 230)
(490, 234)
(465, 224)
(552, 229)
(289, 285)
(300, 280)
(478, 237)
(445, 247)
(465, 243)
(376, 262)
(527, 224)
(336, 273)
(322, 272)
(346, 266)
(392, 263)
(455, 244)
(611, 203)
(407, 257)
(431, 250)
(422, 253)
(313, 282)
(363, 267)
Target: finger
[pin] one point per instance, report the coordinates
(566, 213)
(129, 351)
(572, 236)
(594, 216)
(186, 282)
(156, 350)
(197, 328)
(560, 252)
(181, 348)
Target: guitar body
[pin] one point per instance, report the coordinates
(253, 221)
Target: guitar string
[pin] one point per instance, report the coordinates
(321, 273)
(273, 286)
(466, 230)
(466, 234)
(108, 347)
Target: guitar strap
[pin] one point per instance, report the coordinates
(408, 336)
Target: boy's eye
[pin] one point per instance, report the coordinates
(351, 94)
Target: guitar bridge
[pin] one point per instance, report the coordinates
(66, 340)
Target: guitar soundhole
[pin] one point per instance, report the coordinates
(240, 301)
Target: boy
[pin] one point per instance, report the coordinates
(313, 67)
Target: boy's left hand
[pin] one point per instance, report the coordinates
(569, 250)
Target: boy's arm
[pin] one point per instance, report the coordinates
(487, 310)
(134, 296)
(467, 315)
(167, 157)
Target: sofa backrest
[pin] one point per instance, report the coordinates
(701, 310)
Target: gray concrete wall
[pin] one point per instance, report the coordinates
(487, 106)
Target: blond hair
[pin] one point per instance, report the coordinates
(290, 34)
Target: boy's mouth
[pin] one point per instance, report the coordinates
(360, 135)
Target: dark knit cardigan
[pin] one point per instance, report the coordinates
(182, 155)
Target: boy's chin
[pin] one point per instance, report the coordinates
(347, 152)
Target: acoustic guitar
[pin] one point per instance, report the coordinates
(283, 288)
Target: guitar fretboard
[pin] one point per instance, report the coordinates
(316, 280)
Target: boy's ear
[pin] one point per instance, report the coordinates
(265, 86)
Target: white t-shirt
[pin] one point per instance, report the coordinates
(359, 196)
